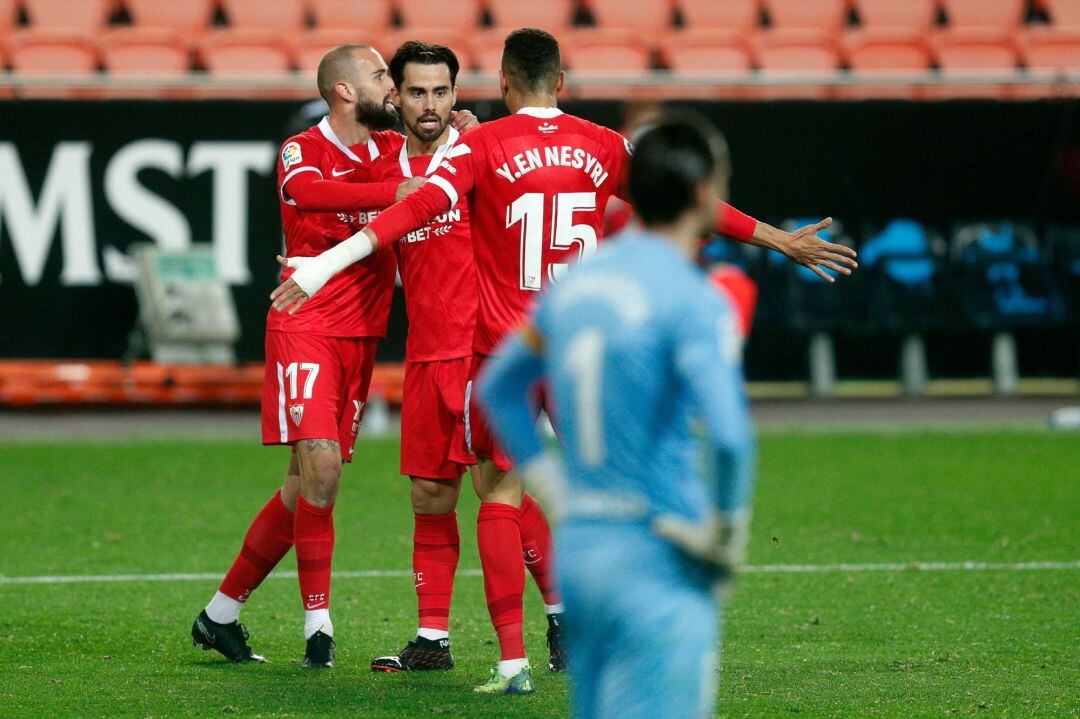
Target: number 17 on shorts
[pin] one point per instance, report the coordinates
(315, 387)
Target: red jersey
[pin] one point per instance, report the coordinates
(437, 269)
(538, 182)
(356, 301)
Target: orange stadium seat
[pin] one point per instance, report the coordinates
(86, 15)
(703, 51)
(145, 51)
(887, 50)
(720, 14)
(265, 14)
(1064, 12)
(969, 49)
(606, 51)
(190, 16)
(457, 41)
(245, 52)
(650, 17)
(913, 14)
(554, 16)
(374, 15)
(7, 15)
(1052, 49)
(488, 47)
(796, 50)
(1006, 14)
(818, 14)
(463, 15)
(312, 45)
(53, 52)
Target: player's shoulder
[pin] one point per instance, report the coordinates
(301, 148)
(388, 141)
(592, 129)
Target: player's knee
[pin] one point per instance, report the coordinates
(320, 486)
(431, 497)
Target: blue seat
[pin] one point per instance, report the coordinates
(903, 252)
(1006, 277)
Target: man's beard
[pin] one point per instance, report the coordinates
(375, 115)
(427, 135)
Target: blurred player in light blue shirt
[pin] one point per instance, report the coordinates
(641, 356)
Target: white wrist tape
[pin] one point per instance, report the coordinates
(314, 272)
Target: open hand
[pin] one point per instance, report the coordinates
(803, 247)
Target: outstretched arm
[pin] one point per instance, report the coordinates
(802, 246)
(312, 273)
(311, 193)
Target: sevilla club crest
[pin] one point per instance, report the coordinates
(296, 411)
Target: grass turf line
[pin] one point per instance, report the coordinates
(838, 644)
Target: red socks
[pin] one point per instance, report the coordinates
(536, 548)
(498, 537)
(268, 539)
(436, 548)
(313, 534)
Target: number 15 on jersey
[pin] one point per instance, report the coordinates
(528, 209)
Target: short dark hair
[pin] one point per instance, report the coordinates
(424, 54)
(532, 57)
(334, 66)
(670, 160)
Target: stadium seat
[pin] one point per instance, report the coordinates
(456, 40)
(283, 15)
(742, 15)
(7, 16)
(606, 51)
(554, 16)
(487, 49)
(1065, 13)
(1052, 49)
(796, 50)
(886, 50)
(461, 15)
(825, 15)
(971, 49)
(905, 277)
(245, 52)
(86, 15)
(312, 45)
(1004, 277)
(373, 15)
(648, 17)
(145, 51)
(1006, 14)
(707, 51)
(912, 14)
(190, 16)
(66, 52)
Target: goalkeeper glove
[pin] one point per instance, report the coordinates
(719, 542)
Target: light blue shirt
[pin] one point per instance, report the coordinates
(641, 357)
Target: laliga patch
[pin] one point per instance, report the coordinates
(290, 155)
(296, 411)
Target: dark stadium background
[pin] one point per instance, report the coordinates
(863, 162)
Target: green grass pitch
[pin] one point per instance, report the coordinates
(850, 642)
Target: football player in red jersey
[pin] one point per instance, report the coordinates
(318, 362)
(439, 278)
(538, 180)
